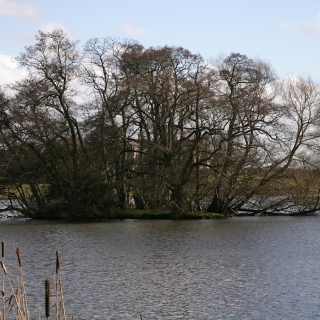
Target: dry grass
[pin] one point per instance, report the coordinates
(14, 302)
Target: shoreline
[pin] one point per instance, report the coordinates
(136, 214)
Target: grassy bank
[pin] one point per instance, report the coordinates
(163, 215)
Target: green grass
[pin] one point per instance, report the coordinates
(164, 215)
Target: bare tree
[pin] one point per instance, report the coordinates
(158, 124)
(41, 125)
(169, 85)
(263, 133)
(112, 113)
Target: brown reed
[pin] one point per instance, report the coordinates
(47, 298)
(57, 262)
(2, 282)
(3, 267)
(22, 295)
(19, 257)
(60, 309)
(16, 303)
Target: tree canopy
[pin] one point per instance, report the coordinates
(113, 124)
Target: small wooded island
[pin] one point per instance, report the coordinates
(93, 130)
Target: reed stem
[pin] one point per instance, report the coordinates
(47, 298)
(22, 287)
(2, 285)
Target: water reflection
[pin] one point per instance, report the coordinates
(243, 268)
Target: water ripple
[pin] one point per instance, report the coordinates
(246, 268)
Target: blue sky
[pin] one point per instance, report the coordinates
(285, 33)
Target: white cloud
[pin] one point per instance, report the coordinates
(135, 31)
(291, 78)
(53, 25)
(9, 71)
(307, 28)
(19, 8)
(49, 27)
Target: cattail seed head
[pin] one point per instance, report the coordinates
(19, 257)
(47, 298)
(57, 262)
(2, 249)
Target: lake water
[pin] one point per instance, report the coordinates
(238, 268)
